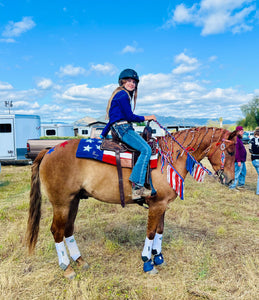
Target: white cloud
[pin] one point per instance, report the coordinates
(182, 14)
(22, 104)
(7, 41)
(83, 92)
(104, 69)
(185, 59)
(131, 48)
(184, 69)
(192, 86)
(5, 86)
(45, 83)
(15, 29)
(216, 16)
(155, 81)
(70, 70)
(187, 64)
(213, 58)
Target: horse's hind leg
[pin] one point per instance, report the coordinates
(69, 237)
(60, 217)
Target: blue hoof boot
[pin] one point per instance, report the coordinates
(158, 259)
(148, 266)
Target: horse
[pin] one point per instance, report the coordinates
(65, 179)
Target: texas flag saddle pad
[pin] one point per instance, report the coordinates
(90, 149)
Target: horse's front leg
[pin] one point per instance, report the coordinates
(157, 244)
(153, 242)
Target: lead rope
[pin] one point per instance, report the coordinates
(184, 149)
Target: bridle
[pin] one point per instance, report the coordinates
(222, 147)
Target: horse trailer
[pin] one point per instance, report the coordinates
(15, 130)
(60, 130)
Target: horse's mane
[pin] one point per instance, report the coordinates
(217, 133)
(192, 138)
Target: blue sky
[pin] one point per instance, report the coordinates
(61, 59)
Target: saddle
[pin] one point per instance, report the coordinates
(116, 145)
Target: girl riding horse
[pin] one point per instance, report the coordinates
(120, 118)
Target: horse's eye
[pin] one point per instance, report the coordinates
(231, 153)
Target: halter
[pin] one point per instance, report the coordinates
(222, 147)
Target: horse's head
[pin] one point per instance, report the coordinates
(222, 158)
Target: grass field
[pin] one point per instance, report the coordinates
(210, 246)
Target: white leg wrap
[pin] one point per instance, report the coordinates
(147, 248)
(63, 259)
(157, 245)
(72, 247)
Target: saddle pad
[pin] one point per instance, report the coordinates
(90, 148)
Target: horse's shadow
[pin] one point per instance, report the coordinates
(124, 235)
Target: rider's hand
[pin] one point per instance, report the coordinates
(150, 118)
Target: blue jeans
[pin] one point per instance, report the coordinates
(240, 175)
(129, 136)
(256, 165)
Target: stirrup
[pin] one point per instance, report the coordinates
(141, 201)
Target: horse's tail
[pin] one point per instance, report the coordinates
(33, 223)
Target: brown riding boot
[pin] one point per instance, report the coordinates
(139, 192)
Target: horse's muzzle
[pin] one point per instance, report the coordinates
(223, 178)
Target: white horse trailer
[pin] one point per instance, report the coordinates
(15, 130)
(60, 130)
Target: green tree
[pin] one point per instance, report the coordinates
(251, 113)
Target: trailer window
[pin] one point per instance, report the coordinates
(5, 128)
(84, 131)
(50, 132)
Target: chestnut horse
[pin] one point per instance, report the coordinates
(66, 179)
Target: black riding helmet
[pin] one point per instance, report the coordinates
(128, 73)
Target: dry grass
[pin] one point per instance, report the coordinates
(210, 245)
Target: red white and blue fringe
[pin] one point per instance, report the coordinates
(195, 168)
(175, 180)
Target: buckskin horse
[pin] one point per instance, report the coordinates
(66, 179)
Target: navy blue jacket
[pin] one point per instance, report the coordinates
(120, 110)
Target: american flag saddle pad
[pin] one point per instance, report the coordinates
(90, 149)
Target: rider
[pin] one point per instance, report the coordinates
(120, 117)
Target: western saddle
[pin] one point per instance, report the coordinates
(116, 145)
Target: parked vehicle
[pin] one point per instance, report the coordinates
(34, 146)
(15, 130)
(247, 136)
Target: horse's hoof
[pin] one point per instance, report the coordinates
(153, 271)
(149, 268)
(159, 260)
(69, 273)
(82, 263)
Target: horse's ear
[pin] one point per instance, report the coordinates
(232, 135)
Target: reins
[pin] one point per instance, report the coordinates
(184, 149)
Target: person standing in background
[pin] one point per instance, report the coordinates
(254, 150)
(240, 159)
